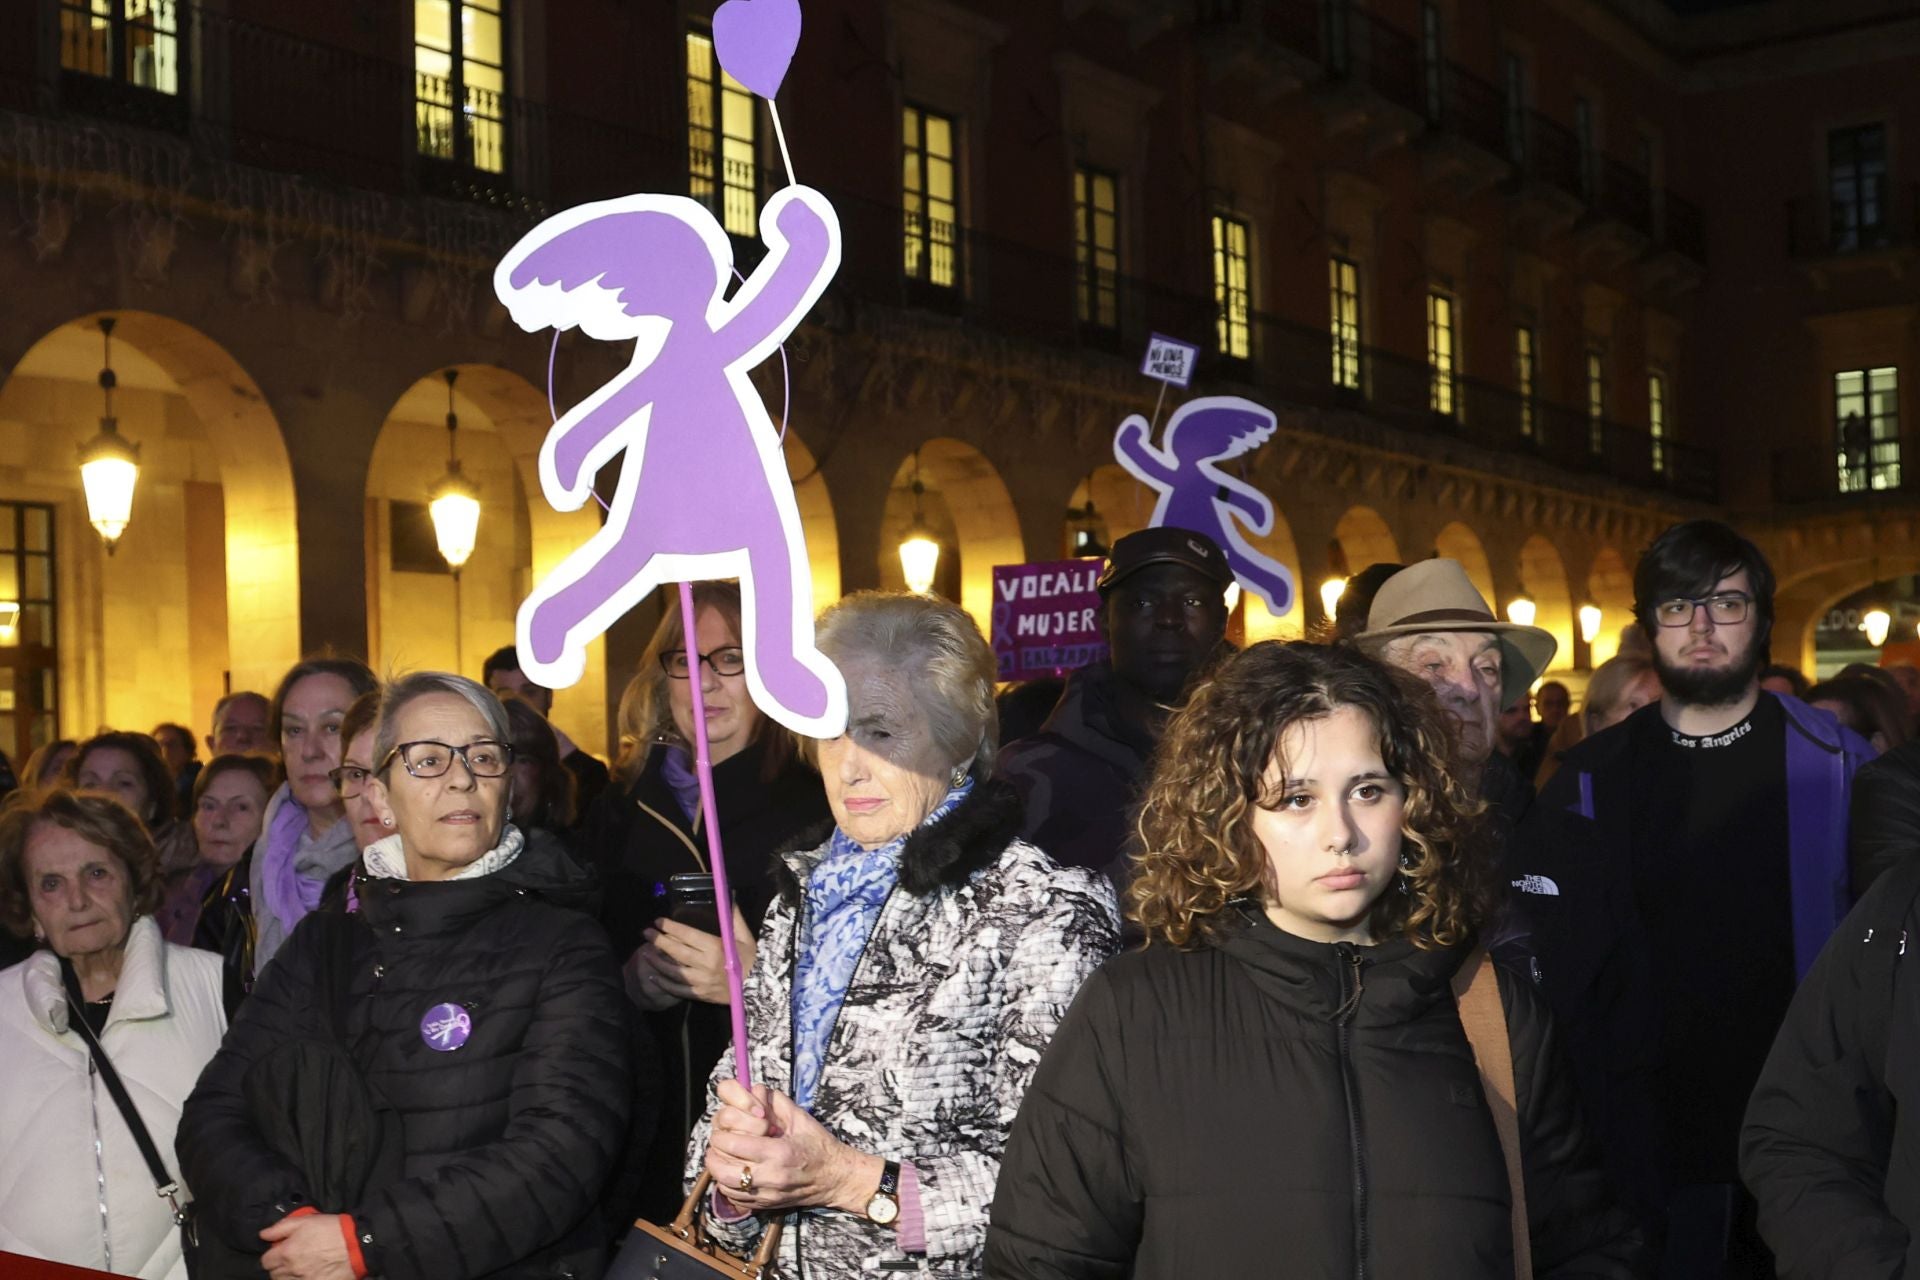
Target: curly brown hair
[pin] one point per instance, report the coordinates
(1211, 770)
(95, 816)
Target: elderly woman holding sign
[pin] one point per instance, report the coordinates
(909, 975)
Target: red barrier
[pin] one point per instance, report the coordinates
(16, 1266)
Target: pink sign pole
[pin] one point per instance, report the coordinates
(716, 856)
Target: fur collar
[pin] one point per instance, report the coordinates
(941, 856)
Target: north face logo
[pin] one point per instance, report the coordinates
(1537, 884)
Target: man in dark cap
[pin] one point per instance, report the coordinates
(1164, 611)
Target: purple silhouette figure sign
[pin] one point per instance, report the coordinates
(703, 490)
(1195, 494)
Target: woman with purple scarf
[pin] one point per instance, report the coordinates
(305, 836)
(910, 973)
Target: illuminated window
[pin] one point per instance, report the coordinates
(460, 82)
(1526, 374)
(1857, 187)
(134, 42)
(1443, 367)
(722, 161)
(29, 629)
(1657, 419)
(1096, 248)
(929, 198)
(1597, 399)
(1866, 416)
(1343, 280)
(1232, 284)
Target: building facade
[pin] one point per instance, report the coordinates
(1522, 283)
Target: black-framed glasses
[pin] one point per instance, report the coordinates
(349, 780)
(430, 759)
(727, 661)
(1729, 608)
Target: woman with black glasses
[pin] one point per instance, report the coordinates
(646, 838)
(463, 990)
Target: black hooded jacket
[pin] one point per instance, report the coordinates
(509, 1138)
(1263, 1105)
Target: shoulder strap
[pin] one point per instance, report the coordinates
(164, 1185)
(1477, 990)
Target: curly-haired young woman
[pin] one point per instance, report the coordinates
(1281, 1083)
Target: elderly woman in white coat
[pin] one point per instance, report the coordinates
(78, 870)
(907, 979)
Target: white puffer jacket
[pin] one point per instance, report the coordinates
(58, 1199)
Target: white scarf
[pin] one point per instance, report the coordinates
(386, 860)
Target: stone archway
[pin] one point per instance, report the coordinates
(503, 420)
(1610, 588)
(966, 505)
(1543, 576)
(202, 594)
(816, 518)
(1364, 538)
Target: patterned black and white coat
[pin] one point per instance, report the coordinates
(975, 956)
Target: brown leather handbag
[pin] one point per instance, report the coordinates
(1477, 992)
(681, 1250)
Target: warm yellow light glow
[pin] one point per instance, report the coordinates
(919, 558)
(1589, 622)
(1233, 596)
(455, 507)
(9, 619)
(109, 469)
(1521, 611)
(1876, 623)
(1330, 592)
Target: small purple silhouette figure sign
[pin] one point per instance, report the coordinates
(1195, 494)
(703, 491)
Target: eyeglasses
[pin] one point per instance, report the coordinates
(1727, 609)
(349, 779)
(429, 759)
(729, 661)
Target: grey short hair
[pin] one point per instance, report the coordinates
(937, 644)
(421, 684)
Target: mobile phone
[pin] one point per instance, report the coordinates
(691, 901)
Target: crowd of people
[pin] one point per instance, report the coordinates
(1321, 958)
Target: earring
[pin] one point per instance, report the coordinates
(1406, 865)
(959, 775)
(386, 822)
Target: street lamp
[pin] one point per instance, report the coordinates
(453, 501)
(1521, 611)
(1589, 622)
(109, 463)
(919, 551)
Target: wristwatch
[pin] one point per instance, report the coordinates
(884, 1208)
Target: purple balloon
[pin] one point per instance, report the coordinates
(755, 40)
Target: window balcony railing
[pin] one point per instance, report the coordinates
(1473, 109)
(1829, 473)
(1882, 217)
(1381, 58)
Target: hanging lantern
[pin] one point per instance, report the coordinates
(1330, 592)
(454, 501)
(1877, 623)
(919, 550)
(1521, 611)
(109, 463)
(1589, 622)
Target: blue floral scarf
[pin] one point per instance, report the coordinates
(844, 895)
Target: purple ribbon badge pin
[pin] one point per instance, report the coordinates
(446, 1027)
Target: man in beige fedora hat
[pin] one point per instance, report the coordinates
(1428, 619)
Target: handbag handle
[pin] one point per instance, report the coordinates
(689, 1225)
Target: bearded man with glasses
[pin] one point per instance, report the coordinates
(1682, 870)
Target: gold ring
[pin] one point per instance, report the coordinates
(746, 1178)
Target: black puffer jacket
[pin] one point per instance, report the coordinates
(1270, 1106)
(509, 1138)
